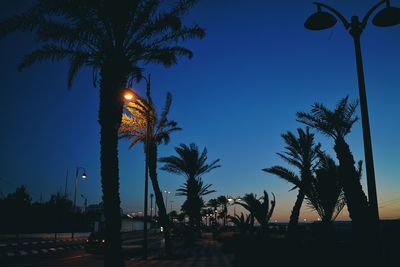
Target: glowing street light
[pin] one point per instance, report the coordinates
(129, 94)
(84, 176)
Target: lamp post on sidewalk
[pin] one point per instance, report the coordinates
(131, 96)
(166, 199)
(75, 189)
(85, 202)
(146, 179)
(388, 16)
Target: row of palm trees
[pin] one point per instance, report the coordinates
(115, 40)
(141, 123)
(326, 186)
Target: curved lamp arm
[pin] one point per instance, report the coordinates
(334, 11)
(369, 13)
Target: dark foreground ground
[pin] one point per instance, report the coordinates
(206, 252)
(226, 249)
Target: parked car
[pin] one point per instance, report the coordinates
(95, 243)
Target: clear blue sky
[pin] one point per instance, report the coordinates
(256, 67)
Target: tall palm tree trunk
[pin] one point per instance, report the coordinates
(357, 203)
(294, 216)
(158, 194)
(110, 112)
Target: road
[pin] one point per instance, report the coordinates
(69, 252)
(71, 258)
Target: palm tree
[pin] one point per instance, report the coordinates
(337, 124)
(115, 40)
(325, 194)
(191, 164)
(194, 190)
(141, 123)
(301, 152)
(223, 203)
(261, 211)
(243, 223)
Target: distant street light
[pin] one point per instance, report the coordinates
(75, 189)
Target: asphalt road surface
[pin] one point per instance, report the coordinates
(70, 252)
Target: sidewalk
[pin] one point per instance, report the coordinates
(205, 253)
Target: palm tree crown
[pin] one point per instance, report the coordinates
(141, 121)
(325, 194)
(189, 162)
(335, 123)
(95, 32)
(260, 210)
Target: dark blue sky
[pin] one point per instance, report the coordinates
(256, 67)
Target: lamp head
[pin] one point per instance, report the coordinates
(128, 95)
(84, 175)
(389, 16)
(320, 20)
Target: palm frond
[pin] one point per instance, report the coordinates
(285, 174)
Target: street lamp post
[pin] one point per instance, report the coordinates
(75, 189)
(388, 16)
(131, 96)
(146, 182)
(85, 202)
(166, 199)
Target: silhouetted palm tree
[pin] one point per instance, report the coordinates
(261, 211)
(223, 203)
(243, 223)
(337, 124)
(301, 152)
(141, 123)
(191, 164)
(194, 190)
(325, 194)
(115, 40)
